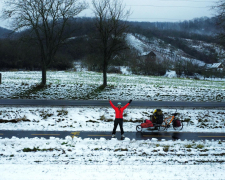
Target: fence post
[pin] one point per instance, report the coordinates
(0, 78)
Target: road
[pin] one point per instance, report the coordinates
(107, 135)
(155, 104)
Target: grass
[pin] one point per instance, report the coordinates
(188, 121)
(141, 152)
(62, 112)
(22, 119)
(200, 146)
(64, 143)
(32, 90)
(166, 148)
(189, 145)
(121, 149)
(94, 92)
(102, 118)
(35, 149)
(92, 121)
(45, 114)
(87, 85)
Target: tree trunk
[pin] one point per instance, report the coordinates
(105, 73)
(104, 78)
(44, 69)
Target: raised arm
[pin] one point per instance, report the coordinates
(124, 107)
(112, 104)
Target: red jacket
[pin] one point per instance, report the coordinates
(119, 111)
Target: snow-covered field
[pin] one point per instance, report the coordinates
(112, 172)
(85, 85)
(101, 118)
(110, 159)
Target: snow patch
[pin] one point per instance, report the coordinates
(171, 74)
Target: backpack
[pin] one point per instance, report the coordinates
(158, 115)
(159, 112)
(176, 123)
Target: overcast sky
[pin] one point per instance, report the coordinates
(167, 10)
(159, 10)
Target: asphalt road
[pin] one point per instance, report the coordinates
(107, 135)
(155, 104)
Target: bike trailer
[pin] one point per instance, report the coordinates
(147, 124)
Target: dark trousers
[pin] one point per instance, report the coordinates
(116, 122)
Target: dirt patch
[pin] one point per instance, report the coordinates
(14, 120)
(133, 121)
(92, 121)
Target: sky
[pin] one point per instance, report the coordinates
(156, 10)
(166, 10)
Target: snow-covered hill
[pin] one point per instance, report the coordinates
(143, 46)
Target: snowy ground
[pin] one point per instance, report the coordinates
(110, 159)
(78, 158)
(85, 85)
(101, 118)
(112, 172)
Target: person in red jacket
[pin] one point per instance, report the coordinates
(119, 117)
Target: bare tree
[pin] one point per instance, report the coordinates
(47, 20)
(178, 66)
(111, 24)
(220, 10)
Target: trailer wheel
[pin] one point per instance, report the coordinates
(138, 128)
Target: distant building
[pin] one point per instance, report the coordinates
(216, 66)
(148, 56)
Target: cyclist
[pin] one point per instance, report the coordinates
(118, 117)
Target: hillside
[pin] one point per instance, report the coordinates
(173, 40)
(164, 50)
(4, 33)
(192, 41)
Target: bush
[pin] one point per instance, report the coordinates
(147, 67)
(113, 69)
(62, 62)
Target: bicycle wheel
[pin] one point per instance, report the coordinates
(138, 128)
(177, 125)
(163, 126)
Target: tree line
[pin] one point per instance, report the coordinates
(19, 53)
(197, 26)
